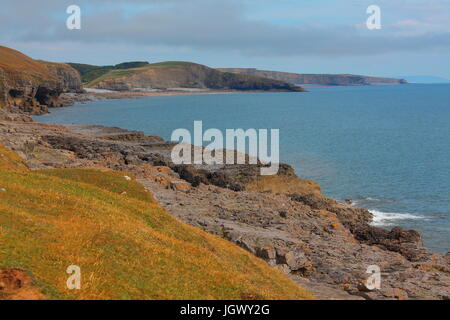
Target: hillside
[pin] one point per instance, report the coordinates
(90, 72)
(316, 79)
(31, 85)
(127, 246)
(176, 74)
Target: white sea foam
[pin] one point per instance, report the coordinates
(371, 199)
(389, 218)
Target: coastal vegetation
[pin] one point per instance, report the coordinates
(90, 72)
(284, 185)
(173, 74)
(127, 246)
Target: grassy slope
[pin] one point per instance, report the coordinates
(113, 74)
(127, 246)
(170, 64)
(210, 78)
(94, 77)
(18, 64)
(284, 185)
(90, 72)
(14, 60)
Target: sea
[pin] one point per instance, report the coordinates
(385, 147)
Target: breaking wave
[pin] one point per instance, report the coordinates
(390, 218)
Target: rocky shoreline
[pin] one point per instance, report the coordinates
(323, 245)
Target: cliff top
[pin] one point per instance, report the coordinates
(21, 67)
(15, 62)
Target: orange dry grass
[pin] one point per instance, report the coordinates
(284, 185)
(10, 160)
(14, 61)
(126, 245)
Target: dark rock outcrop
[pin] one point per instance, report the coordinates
(406, 242)
(348, 215)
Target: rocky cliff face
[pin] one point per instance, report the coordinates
(317, 79)
(31, 86)
(67, 76)
(168, 75)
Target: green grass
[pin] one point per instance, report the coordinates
(94, 74)
(127, 246)
(112, 75)
(171, 64)
(92, 78)
(90, 72)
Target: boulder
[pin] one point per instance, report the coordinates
(267, 253)
(180, 185)
(295, 260)
(284, 268)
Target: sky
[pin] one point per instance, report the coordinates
(303, 36)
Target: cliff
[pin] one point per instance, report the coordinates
(175, 74)
(31, 86)
(316, 79)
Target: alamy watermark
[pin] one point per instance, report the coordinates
(73, 22)
(374, 20)
(374, 280)
(74, 281)
(236, 146)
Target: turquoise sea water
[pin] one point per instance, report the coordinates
(386, 147)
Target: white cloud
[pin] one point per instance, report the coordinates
(223, 26)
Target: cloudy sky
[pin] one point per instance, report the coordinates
(306, 36)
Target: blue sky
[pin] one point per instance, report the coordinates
(305, 36)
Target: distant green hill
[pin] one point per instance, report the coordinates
(143, 76)
(90, 72)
